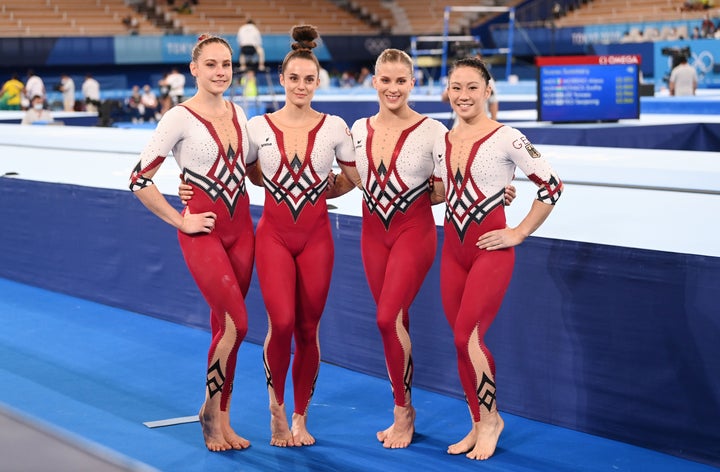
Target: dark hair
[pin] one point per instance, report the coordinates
(304, 36)
(475, 63)
(205, 39)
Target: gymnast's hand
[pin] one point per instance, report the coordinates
(198, 222)
(510, 194)
(185, 193)
(500, 239)
(331, 181)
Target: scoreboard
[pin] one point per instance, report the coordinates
(588, 88)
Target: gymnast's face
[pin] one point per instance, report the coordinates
(213, 68)
(393, 81)
(468, 92)
(300, 80)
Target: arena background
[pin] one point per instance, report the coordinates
(607, 339)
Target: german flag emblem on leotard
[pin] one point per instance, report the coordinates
(532, 151)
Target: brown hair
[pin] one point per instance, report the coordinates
(304, 36)
(475, 63)
(395, 55)
(205, 39)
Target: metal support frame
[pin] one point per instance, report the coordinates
(445, 38)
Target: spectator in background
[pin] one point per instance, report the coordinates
(683, 79)
(707, 27)
(11, 93)
(134, 106)
(419, 77)
(176, 81)
(150, 102)
(248, 82)
(165, 100)
(690, 5)
(132, 24)
(67, 87)
(249, 42)
(186, 8)
(91, 93)
(324, 79)
(364, 78)
(347, 80)
(34, 86)
(493, 102)
(37, 114)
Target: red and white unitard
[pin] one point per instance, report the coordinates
(473, 281)
(399, 238)
(221, 262)
(294, 250)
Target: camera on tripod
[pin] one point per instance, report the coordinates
(677, 54)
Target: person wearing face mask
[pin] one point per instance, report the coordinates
(151, 104)
(37, 114)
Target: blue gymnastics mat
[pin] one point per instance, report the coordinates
(94, 374)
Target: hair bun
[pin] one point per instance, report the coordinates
(304, 45)
(304, 36)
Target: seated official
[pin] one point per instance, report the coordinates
(37, 114)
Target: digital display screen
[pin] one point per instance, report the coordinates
(588, 88)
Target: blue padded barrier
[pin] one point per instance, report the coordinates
(613, 341)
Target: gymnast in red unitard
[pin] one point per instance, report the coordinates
(207, 137)
(475, 160)
(296, 148)
(292, 152)
(393, 155)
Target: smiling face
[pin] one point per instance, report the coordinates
(393, 82)
(213, 68)
(467, 92)
(300, 80)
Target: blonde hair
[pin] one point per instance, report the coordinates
(395, 55)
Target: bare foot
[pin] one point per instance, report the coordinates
(212, 429)
(464, 445)
(301, 435)
(480, 443)
(487, 439)
(281, 435)
(400, 433)
(232, 438)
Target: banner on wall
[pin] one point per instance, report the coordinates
(177, 49)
